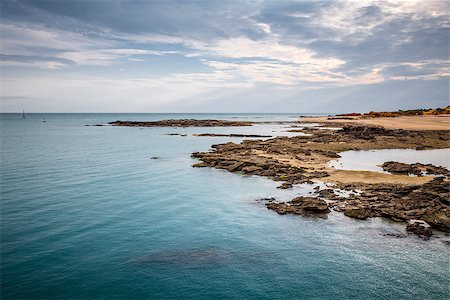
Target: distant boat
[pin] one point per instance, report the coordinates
(23, 114)
(44, 120)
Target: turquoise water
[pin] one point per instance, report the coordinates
(86, 214)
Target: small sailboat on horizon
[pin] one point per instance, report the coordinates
(23, 114)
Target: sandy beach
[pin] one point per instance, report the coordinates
(441, 122)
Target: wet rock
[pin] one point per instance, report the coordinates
(420, 228)
(400, 168)
(181, 123)
(307, 206)
(233, 135)
(415, 169)
(394, 234)
(154, 157)
(368, 133)
(311, 204)
(358, 212)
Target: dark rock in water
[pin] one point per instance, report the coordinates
(420, 228)
(307, 206)
(181, 123)
(179, 134)
(358, 212)
(267, 199)
(233, 135)
(400, 168)
(154, 157)
(415, 169)
(310, 204)
(200, 165)
(396, 235)
(428, 202)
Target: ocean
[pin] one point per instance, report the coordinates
(87, 214)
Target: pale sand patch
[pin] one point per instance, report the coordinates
(343, 176)
(370, 177)
(313, 162)
(441, 122)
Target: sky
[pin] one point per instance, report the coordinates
(223, 56)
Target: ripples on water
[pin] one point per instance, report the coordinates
(85, 213)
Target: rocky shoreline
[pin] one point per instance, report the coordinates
(182, 123)
(232, 135)
(304, 159)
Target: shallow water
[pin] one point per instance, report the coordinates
(85, 213)
(372, 159)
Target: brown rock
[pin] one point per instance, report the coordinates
(420, 228)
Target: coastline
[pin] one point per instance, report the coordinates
(439, 122)
(414, 193)
(421, 200)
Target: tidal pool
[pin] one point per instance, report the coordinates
(371, 159)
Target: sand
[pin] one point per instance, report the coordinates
(441, 122)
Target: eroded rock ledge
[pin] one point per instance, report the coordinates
(182, 123)
(414, 169)
(306, 206)
(232, 135)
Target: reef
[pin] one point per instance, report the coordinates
(181, 123)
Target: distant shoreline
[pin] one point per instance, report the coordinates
(439, 122)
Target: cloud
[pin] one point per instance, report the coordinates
(107, 57)
(28, 39)
(64, 47)
(356, 20)
(182, 49)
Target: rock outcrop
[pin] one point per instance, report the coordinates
(414, 169)
(304, 159)
(306, 206)
(420, 228)
(181, 123)
(233, 135)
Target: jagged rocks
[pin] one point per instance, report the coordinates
(400, 168)
(232, 135)
(181, 123)
(368, 133)
(307, 206)
(358, 212)
(414, 169)
(420, 228)
(304, 159)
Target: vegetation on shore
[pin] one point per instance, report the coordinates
(411, 112)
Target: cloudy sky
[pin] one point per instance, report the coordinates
(223, 56)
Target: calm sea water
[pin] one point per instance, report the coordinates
(85, 213)
(372, 159)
